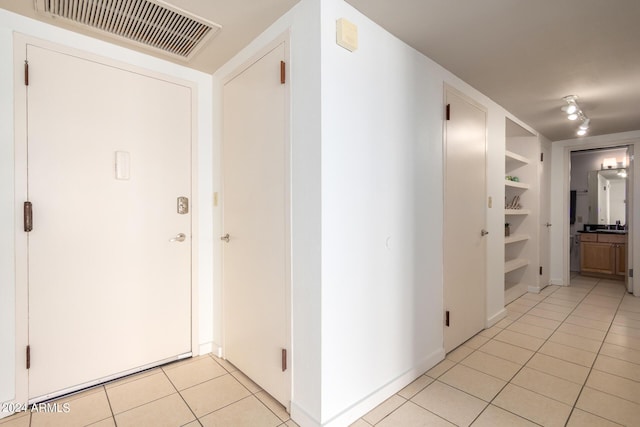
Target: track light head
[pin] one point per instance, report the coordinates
(585, 124)
(570, 108)
(573, 116)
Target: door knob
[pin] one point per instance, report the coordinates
(225, 238)
(484, 232)
(179, 238)
(548, 224)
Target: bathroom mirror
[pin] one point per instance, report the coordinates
(607, 196)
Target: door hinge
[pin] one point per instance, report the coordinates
(283, 72)
(631, 272)
(446, 318)
(542, 157)
(26, 73)
(28, 216)
(284, 359)
(541, 270)
(448, 112)
(28, 356)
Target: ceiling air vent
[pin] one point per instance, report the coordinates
(149, 23)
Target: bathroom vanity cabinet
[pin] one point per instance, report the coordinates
(603, 255)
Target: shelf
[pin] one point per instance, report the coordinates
(515, 264)
(517, 211)
(516, 238)
(510, 155)
(516, 184)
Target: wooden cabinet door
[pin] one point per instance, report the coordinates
(621, 260)
(597, 257)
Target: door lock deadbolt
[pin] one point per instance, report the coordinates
(183, 205)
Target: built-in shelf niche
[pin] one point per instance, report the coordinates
(521, 246)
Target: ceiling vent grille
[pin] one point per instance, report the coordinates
(145, 22)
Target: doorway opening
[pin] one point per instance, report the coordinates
(599, 213)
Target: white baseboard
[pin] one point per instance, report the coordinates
(357, 410)
(556, 282)
(207, 347)
(535, 289)
(302, 418)
(496, 318)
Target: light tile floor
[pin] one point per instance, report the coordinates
(202, 391)
(569, 356)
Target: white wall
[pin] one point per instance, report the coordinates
(616, 201)
(382, 121)
(8, 24)
(560, 174)
(381, 214)
(366, 136)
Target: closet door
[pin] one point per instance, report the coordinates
(465, 257)
(256, 222)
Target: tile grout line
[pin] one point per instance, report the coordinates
(519, 370)
(594, 362)
(260, 400)
(507, 382)
(536, 352)
(181, 396)
(113, 415)
(230, 373)
(597, 353)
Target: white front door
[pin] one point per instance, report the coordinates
(465, 254)
(256, 272)
(109, 281)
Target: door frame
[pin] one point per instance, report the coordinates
(283, 38)
(20, 43)
(447, 88)
(633, 203)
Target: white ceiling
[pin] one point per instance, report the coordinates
(527, 54)
(524, 54)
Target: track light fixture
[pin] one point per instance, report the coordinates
(573, 112)
(585, 124)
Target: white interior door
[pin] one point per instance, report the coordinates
(544, 179)
(464, 219)
(255, 213)
(109, 292)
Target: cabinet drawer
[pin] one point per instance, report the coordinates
(584, 237)
(611, 238)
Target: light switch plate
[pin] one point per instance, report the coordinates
(123, 165)
(346, 34)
